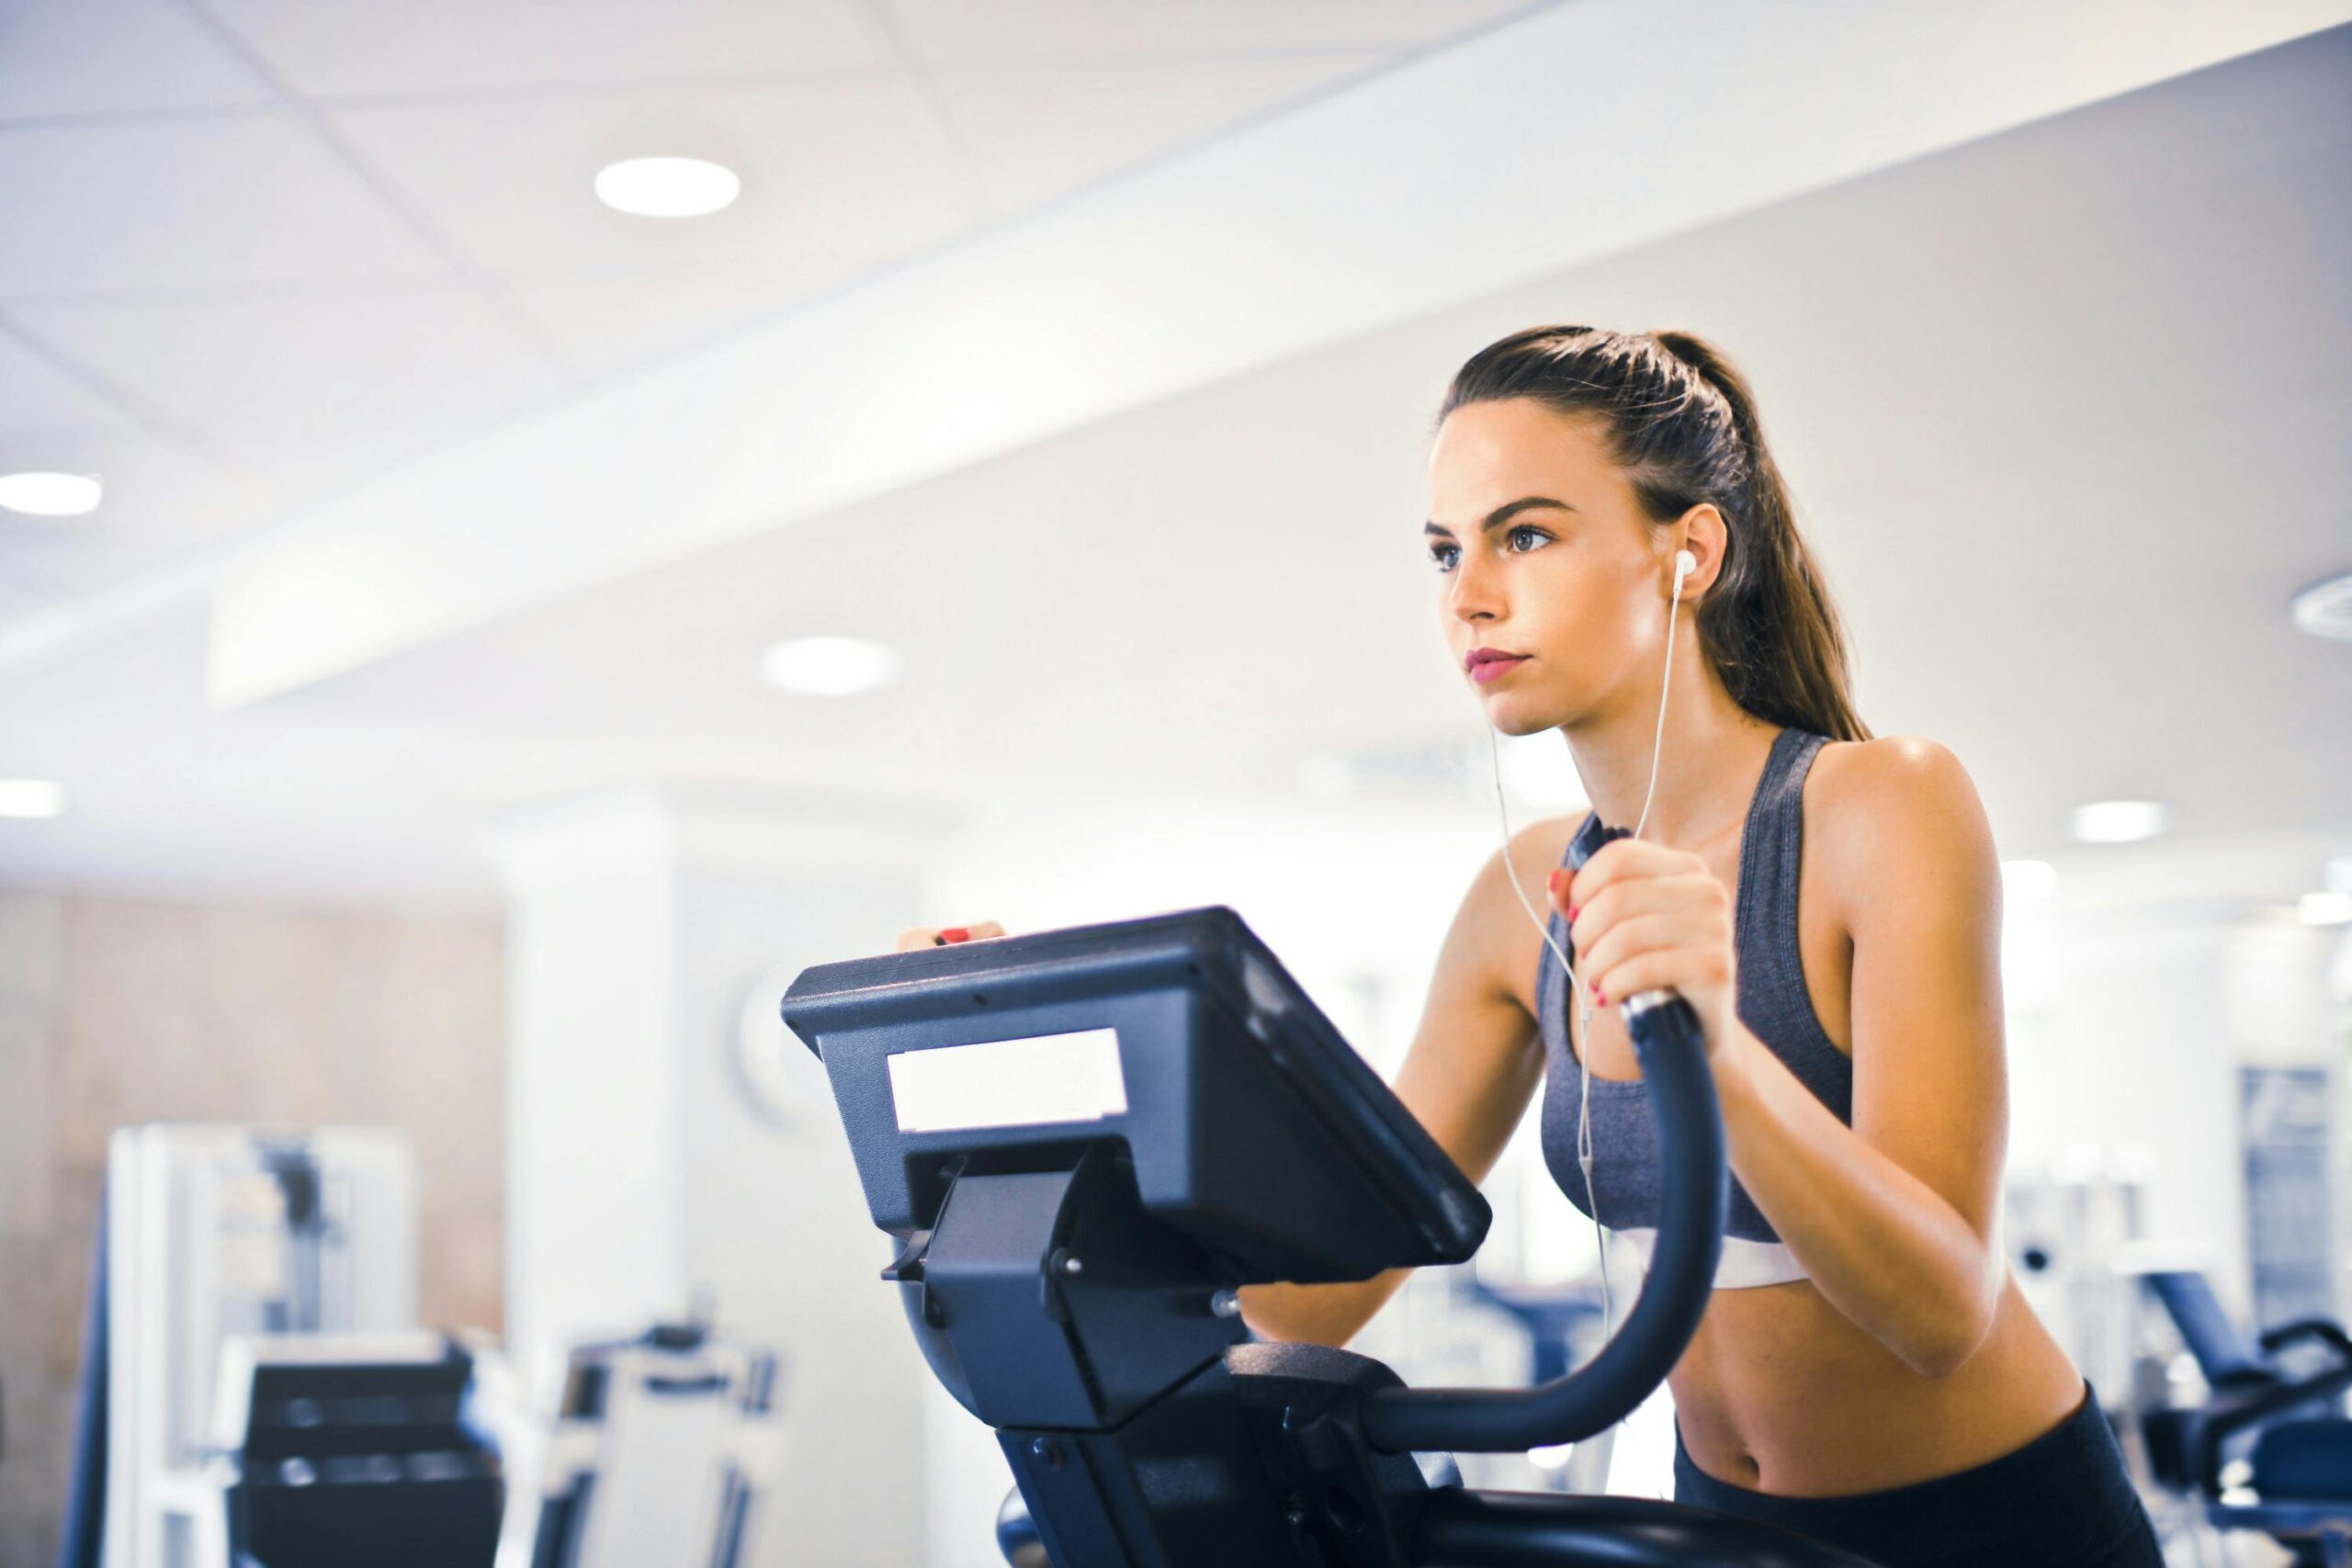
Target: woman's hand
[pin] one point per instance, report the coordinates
(1644, 917)
(939, 936)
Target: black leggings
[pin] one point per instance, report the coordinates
(2063, 1500)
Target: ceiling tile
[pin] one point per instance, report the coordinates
(335, 381)
(22, 595)
(602, 323)
(958, 32)
(36, 395)
(853, 167)
(1037, 131)
(78, 56)
(161, 502)
(431, 46)
(237, 199)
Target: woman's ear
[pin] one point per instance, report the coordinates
(1701, 532)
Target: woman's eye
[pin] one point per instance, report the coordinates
(1445, 555)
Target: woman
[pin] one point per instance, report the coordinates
(1867, 1372)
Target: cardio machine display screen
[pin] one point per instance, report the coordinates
(1250, 1122)
(1033, 1082)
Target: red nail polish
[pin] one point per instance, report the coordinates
(1572, 914)
(1552, 882)
(957, 933)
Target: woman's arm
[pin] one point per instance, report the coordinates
(1473, 1066)
(1895, 1217)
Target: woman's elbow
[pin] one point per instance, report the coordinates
(1951, 1346)
(1296, 1315)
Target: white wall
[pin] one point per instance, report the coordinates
(2127, 1028)
(645, 1178)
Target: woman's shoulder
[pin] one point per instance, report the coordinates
(1883, 811)
(1888, 773)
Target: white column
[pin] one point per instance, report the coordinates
(647, 938)
(594, 1148)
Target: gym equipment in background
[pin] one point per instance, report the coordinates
(209, 1232)
(2290, 1424)
(662, 1445)
(337, 1450)
(1085, 1140)
(1556, 1320)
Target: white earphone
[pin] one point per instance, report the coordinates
(1685, 563)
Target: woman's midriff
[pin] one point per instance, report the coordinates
(1780, 1393)
(1778, 1390)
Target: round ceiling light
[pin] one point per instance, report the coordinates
(51, 495)
(2324, 609)
(2119, 821)
(667, 187)
(829, 666)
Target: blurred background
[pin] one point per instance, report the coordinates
(484, 600)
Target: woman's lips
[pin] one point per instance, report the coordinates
(1495, 669)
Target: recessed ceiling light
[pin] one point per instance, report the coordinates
(2324, 609)
(2027, 881)
(51, 495)
(30, 797)
(667, 187)
(2119, 821)
(2325, 908)
(829, 666)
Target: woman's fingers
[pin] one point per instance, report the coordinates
(1677, 949)
(940, 936)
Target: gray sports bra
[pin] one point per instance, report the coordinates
(1772, 1003)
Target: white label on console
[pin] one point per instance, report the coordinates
(1038, 1080)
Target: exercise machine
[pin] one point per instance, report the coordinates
(662, 1445)
(1084, 1142)
(1557, 1321)
(353, 1451)
(209, 1234)
(2288, 1423)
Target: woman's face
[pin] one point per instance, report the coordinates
(1542, 551)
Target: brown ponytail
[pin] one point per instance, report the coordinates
(1681, 422)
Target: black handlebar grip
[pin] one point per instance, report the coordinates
(1693, 1201)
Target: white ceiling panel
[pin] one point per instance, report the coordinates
(254, 200)
(2017, 541)
(1037, 131)
(960, 32)
(35, 395)
(852, 167)
(336, 379)
(602, 323)
(79, 57)
(162, 503)
(22, 596)
(355, 46)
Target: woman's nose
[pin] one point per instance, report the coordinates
(1470, 593)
